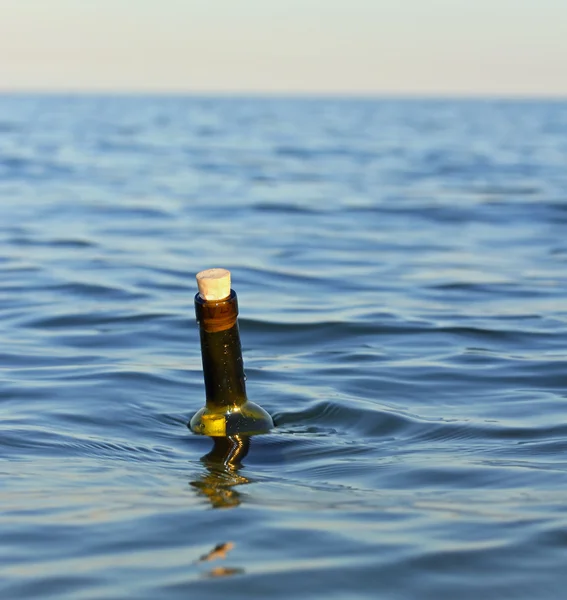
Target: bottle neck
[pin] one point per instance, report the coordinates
(223, 368)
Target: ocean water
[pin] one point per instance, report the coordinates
(401, 268)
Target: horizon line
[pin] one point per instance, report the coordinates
(291, 94)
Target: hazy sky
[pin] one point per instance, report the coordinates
(496, 47)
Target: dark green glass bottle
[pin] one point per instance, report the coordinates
(227, 411)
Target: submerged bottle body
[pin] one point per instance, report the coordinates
(227, 410)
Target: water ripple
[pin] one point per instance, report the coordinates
(401, 281)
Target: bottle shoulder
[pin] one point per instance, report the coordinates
(247, 418)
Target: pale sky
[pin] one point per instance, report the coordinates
(440, 47)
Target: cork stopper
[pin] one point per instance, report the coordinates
(214, 284)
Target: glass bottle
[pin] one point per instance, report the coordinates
(227, 411)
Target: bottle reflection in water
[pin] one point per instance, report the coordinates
(223, 463)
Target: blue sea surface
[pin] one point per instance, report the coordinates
(401, 267)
